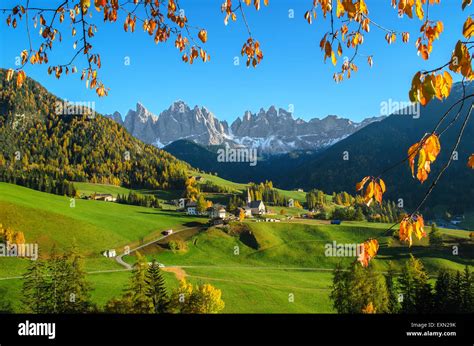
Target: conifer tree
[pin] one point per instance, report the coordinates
(390, 282)
(137, 290)
(77, 289)
(467, 291)
(455, 293)
(156, 289)
(436, 240)
(442, 291)
(415, 288)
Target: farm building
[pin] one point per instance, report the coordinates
(107, 197)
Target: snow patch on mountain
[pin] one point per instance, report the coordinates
(270, 132)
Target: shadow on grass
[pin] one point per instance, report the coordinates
(465, 256)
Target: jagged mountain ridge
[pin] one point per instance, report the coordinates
(271, 132)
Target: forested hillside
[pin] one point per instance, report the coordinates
(384, 144)
(268, 167)
(41, 147)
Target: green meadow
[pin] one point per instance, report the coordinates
(273, 268)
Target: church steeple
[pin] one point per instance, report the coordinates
(249, 198)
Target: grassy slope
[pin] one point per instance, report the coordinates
(87, 189)
(48, 219)
(299, 245)
(237, 187)
(252, 281)
(260, 280)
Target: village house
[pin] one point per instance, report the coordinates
(247, 211)
(217, 211)
(256, 207)
(107, 197)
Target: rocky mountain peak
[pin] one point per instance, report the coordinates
(179, 106)
(271, 131)
(117, 117)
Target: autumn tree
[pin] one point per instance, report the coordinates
(191, 189)
(199, 299)
(202, 204)
(8, 235)
(241, 214)
(207, 299)
(19, 238)
(356, 289)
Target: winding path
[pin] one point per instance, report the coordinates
(127, 266)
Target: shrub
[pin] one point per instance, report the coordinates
(177, 245)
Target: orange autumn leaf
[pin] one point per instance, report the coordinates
(378, 193)
(369, 193)
(368, 250)
(432, 147)
(427, 150)
(361, 184)
(412, 224)
(308, 17)
(382, 185)
(203, 35)
(461, 61)
(470, 161)
(468, 28)
(425, 87)
(374, 191)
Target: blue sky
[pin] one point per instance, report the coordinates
(291, 73)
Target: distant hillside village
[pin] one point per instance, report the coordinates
(218, 212)
(264, 203)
